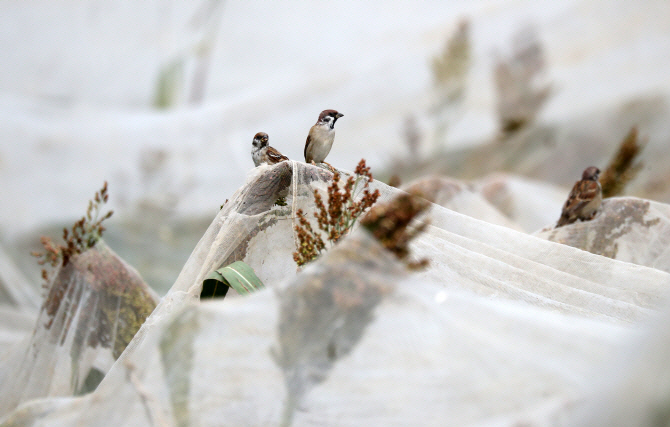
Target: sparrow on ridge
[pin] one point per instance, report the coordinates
(584, 199)
(261, 152)
(321, 136)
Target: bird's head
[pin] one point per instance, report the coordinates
(591, 174)
(329, 117)
(260, 140)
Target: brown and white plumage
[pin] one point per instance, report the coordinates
(584, 199)
(261, 152)
(321, 136)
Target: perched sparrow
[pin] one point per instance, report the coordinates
(321, 137)
(261, 152)
(584, 199)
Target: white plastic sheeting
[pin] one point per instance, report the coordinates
(502, 328)
(94, 306)
(529, 203)
(500, 198)
(15, 289)
(627, 229)
(461, 197)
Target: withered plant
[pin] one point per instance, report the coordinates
(622, 168)
(412, 136)
(335, 219)
(390, 224)
(84, 234)
(450, 69)
(519, 82)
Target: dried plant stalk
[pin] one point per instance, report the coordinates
(336, 218)
(520, 97)
(622, 168)
(389, 223)
(412, 136)
(451, 66)
(84, 234)
(450, 69)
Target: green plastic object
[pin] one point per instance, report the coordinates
(238, 275)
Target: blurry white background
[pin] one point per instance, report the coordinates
(79, 82)
(162, 99)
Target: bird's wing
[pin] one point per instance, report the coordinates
(275, 155)
(309, 140)
(586, 191)
(582, 193)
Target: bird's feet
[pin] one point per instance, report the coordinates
(330, 167)
(323, 165)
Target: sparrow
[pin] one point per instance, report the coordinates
(321, 136)
(261, 152)
(584, 199)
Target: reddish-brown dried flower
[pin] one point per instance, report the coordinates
(336, 219)
(624, 166)
(84, 234)
(389, 223)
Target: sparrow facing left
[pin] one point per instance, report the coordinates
(584, 199)
(321, 136)
(261, 152)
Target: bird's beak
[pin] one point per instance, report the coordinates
(338, 115)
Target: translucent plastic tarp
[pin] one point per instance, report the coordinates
(94, 305)
(627, 228)
(460, 197)
(529, 203)
(502, 328)
(504, 199)
(19, 304)
(15, 289)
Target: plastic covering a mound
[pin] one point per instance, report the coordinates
(625, 228)
(15, 289)
(19, 304)
(460, 197)
(502, 328)
(504, 199)
(529, 203)
(94, 306)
